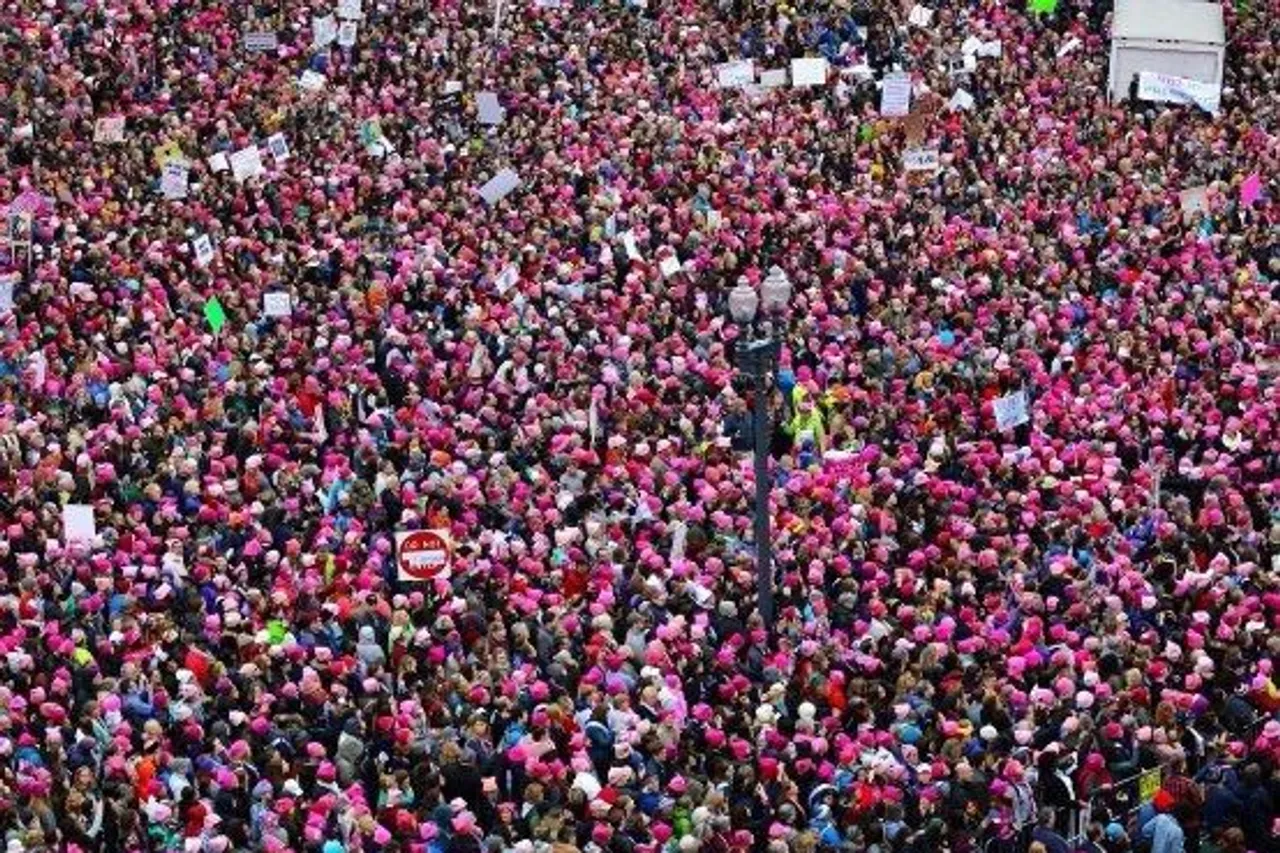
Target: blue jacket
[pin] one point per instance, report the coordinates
(1165, 834)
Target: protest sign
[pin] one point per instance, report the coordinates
(808, 72)
(1042, 7)
(1149, 785)
(219, 163)
(19, 228)
(173, 180)
(991, 49)
(629, 244)
(507, 279)
(491, 112)
(168, 152)
(276, 304)
(214, 314)
(499, 186)
(347, 33)
(371, 136)
(773, 78)
(920, 16)
(670, 265)
(350, 10)
(423, 555)
(1011, 410)
(1193, 200)
(452, 87)
(840, 463)
(324, 31)
(311, 81)
(278, 147)
(109, 129)
(78, 524)
(1153, 86)
(246, 163)
(262, 42)
(735, 75)
(7, 284)
(920, 159)
(203, 248)
(963, 64)
(1251, 189)
(961, 100)
(1068, 46)
(895, 94)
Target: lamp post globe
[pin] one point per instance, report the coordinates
(743, 303)
(775, 291)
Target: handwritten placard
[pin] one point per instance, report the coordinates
(895, 96)
(277, 304)
(324, 31)
(246, 163)
(347, 33)
(808, 72)
(173, 180)
(109, 129)
(203, 248)
(735, 75)
(920, 159)
(499, 186)
(261, 42)
(78, 524)
(278, 147)
(490, 111)
(773, 78)
(1011, 410)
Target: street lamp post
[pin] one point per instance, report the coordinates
(758, 359)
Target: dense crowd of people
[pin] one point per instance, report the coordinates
(1055, 637)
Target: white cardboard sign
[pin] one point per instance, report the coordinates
(961, 100)
(773, 78)
(736, 75)
(1179, 90)
(263, 42)
(109, 129)
(1011, 410)
(347, 33)
(278, 147)
(920, 159)
(499, 186)
(6, 293)
(78, 524)
(203, 247)
(324, 31)
(246, 163)
(277, 304)
(173, 180)
(350, 10)
(895, 96)
(1193, 200)
(311, 81)
(491, 112)
(920, 16)
(808, 72)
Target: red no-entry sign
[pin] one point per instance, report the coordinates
(423, 555)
